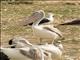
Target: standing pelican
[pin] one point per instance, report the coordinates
(44, 31)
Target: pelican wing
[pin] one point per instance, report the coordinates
(35, 16)
(52, 29)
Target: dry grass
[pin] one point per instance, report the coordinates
(11, 14)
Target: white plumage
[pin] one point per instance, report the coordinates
(45, 31)
(25, 53)
(50, 17)
(55, 49)
(40, 26)
(14, 54)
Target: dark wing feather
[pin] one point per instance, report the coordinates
(74, 22)
(47, 28)
(42, 21)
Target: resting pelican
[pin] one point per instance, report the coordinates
(25, 46)
(29, 52)
(44, 31)
(56, 49)
(25, 51)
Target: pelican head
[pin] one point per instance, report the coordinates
(11, 43)
(50, 17)
(51, 14)
(19, 42)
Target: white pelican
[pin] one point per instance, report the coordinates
(44, 31)
(19, 42)
(40, 30)
(26, 52)
(56, 49)
(23, 44)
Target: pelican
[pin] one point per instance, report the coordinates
(25, 51)
(21, 47)
(56, 49)
(21, 42)
(44, 31)
(26, 47)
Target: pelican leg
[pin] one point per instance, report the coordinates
(40, 40)
(52, 41)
